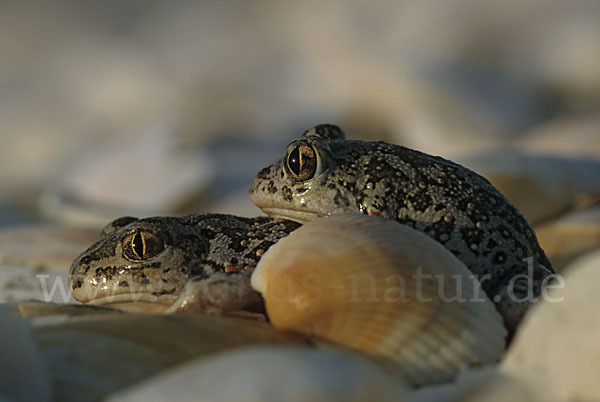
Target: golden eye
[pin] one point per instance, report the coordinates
(302, 162)
(142, 245)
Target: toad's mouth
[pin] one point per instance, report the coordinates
(134, 302)
(300, 216)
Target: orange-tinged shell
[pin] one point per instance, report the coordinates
(384, 289)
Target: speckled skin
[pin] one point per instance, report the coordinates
(194, 248)
(450, 203)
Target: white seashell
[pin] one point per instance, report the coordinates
(87, 357)
(557, 347)
(270, 374)
(384, 289)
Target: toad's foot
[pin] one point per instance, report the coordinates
(220, 294)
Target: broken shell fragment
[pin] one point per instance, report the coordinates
(384, 289)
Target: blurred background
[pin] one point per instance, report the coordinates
(154, 107)
(110, 108)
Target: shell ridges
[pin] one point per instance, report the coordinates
(357, 281)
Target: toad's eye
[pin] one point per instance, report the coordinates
(302, 162)
(142, 245)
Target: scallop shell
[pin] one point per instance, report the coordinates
(384, 289)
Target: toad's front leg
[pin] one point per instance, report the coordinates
(221, 294)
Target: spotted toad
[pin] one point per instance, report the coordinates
(323, 173)
(193, 264)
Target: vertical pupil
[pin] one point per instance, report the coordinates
(294, 160)
(137, 244)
